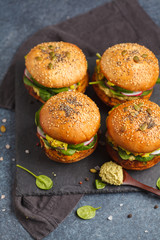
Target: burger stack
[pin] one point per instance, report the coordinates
(68, 122)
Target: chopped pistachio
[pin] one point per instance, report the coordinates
(133, 114)
(50, 47)
(140, 104)
(38, 58)
(50, 65)
(124, 52)
(42, 47)
(52, 54)
(68, 54)
(136, 107)
(136, 59)
(125, 109)
(149, 111)
(143, 126)
(92, 170)
(144, 55)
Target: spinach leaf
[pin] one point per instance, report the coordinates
(158, 80)
(68, 152)
(81, 146)
(87, 212)
(44, 94)
(37, 118)
(145, 93)
(42, 181)
(125, 156)
(99, 184)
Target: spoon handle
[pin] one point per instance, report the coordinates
(131, 181)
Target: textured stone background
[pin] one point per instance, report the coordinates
(18, 20)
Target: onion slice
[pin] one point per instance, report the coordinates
(132, 94)
(156, 152)
(41, 133)
(88, 142)
(27, 74)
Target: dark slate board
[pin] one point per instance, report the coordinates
(68, 176)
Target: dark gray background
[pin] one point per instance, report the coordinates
(18, 20)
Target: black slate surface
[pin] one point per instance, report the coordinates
(68, 176)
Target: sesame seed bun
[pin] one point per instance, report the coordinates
(120, 67)
(57, 156)
(56, 64)
(70, 117)
(124, 125)
(135, 127)
(129, 66)
(131, 165)
(111, 101)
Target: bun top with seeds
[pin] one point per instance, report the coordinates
(130, 66)
(135, 126)
(56, 64)
(70, 117)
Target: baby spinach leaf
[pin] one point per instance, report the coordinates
(87, 212)
(99, 184)
(42, 181)
(158, 80)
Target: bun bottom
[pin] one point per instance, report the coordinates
(111, 101)
(59, 157)
(81, 88)
(131, 165)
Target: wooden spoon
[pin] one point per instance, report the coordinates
(128, 180)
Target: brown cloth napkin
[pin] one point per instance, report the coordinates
(115, 22)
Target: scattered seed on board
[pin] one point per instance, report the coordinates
(110, 218)
(13, 159)
(3, 210)
(2, 196)
(129, 215)
(1, 158)
(86, 179)
(92, 170)
(8, 146)
(27, 151)
(146, 231)
(156, 206)
(3, 129)
(121, 204)
(4, 120)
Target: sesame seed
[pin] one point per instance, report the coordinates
(8, 146)
(1, 158)
(27, 151)
(4, 120)
(110, 218)
(2, 196)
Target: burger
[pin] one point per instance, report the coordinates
(126, 71)
(133, 134)
(67, 126)
(54, 67)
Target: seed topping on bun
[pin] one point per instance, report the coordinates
(70, 117)
(130, 66)
(135, 126)
(46, 61)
